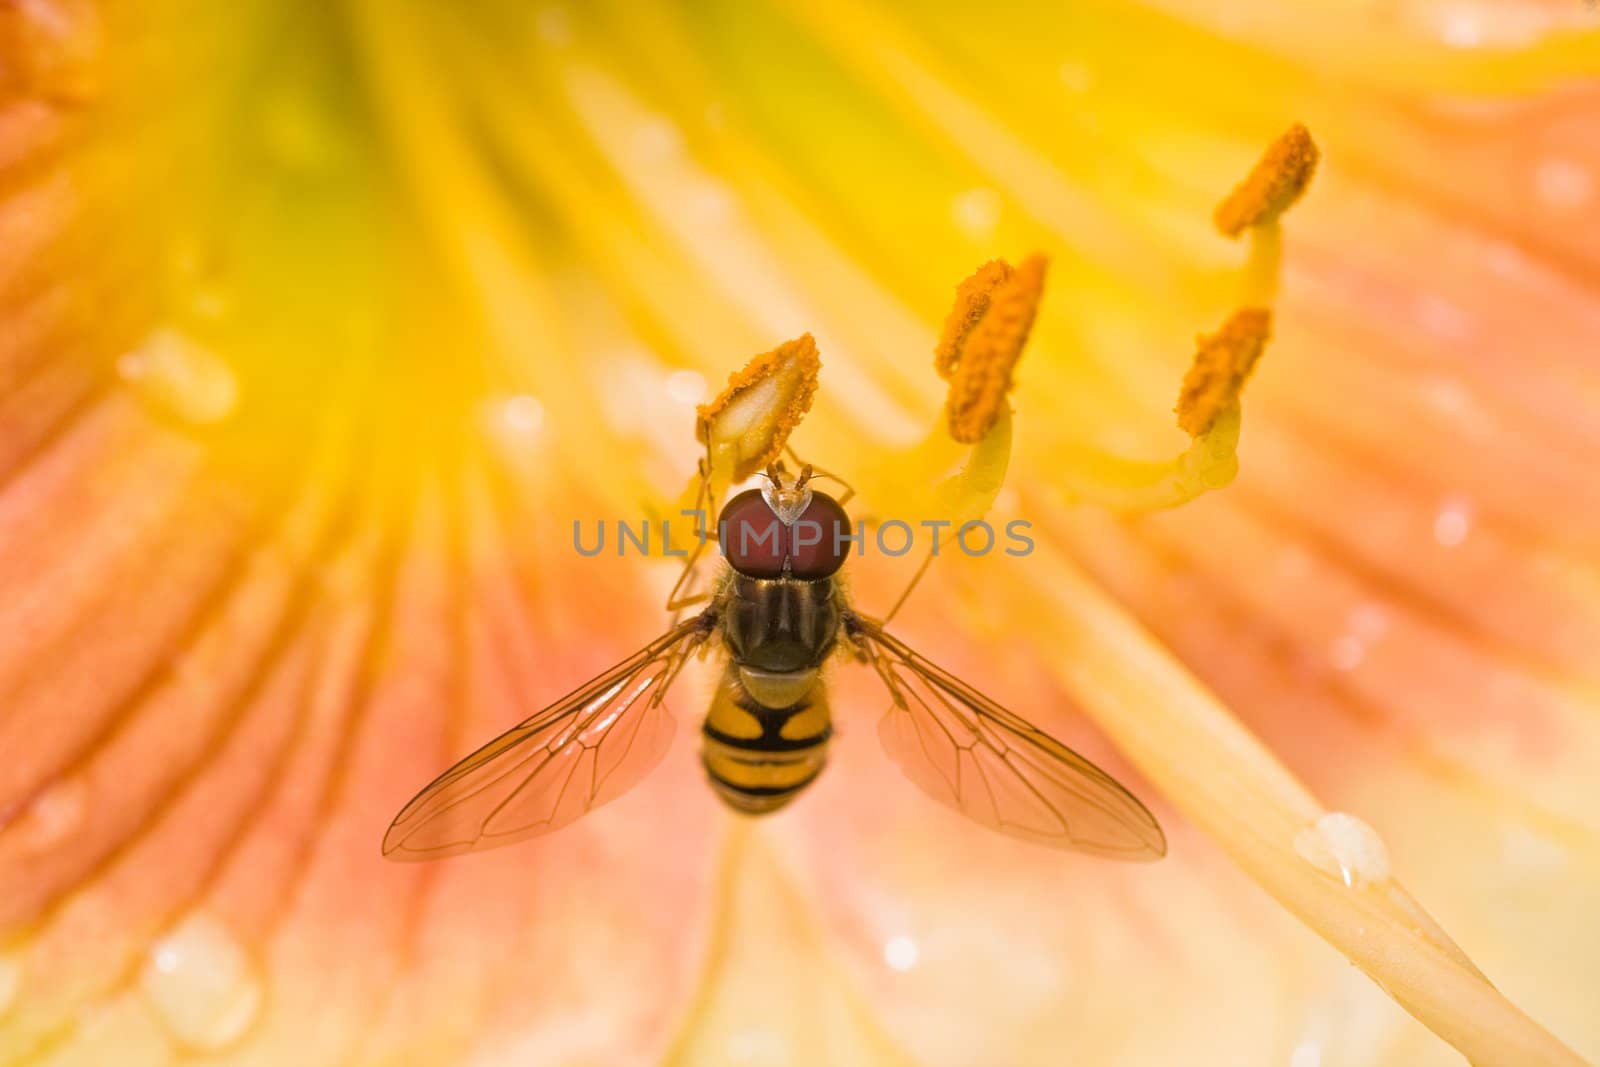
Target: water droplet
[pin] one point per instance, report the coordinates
(521, 414)
(1345, 847)
(201, 983)
(1347, 652)
(1563, 183)
(1462, 29)
(10, 979)
(686, 386)
(1443, 318)
(976, 211)
(1077, 77)
(657, 139)
(1453, 522)
(709, 201)
(1446, 396)
(1369, 622)
(180, 376)
(52, 815)
(514, 425)
(1506, 259)
(900, 953)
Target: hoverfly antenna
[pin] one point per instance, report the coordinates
(805, 476)
(774, 474)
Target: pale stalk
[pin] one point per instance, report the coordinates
(1210, 766)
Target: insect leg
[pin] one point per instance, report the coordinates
(915, 578)
(679, 598)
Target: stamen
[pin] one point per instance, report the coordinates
(1222, 364)
(980, 375)
(1212, 767)
(747, 425)
(972, 301)
(1277, 181)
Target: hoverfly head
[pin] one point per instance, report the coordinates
(785, 527)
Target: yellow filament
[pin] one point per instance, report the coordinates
(1208, 764)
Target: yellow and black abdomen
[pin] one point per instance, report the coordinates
(766, 736)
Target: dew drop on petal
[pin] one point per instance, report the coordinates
(10, 979)
(900, 953)
(709, 202)
(686, 386)
(1447, 396)
(514, 426)
(201, 983)
(1462, 29)
(1347, 652)
(976, 212)
(1452, 523)
(1076, 76)
(53, 815)
(1563, 184)
(519, 416)
(181, 377)
(1443, 318)
(1369, 622)
(657, 139)
(1506, 259)
(1345, 847)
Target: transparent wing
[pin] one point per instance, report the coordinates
(589, 747)
(970, 753)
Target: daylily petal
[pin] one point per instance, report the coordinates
(320, 327)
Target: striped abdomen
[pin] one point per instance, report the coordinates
(766, 736)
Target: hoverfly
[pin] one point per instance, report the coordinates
(779, 613)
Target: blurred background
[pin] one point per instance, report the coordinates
(321, 323)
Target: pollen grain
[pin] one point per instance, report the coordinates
(1276, 182)
(972, 301)
(791, 369)
(1222, 364)
(981, 371)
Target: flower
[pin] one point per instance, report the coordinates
(320, 325)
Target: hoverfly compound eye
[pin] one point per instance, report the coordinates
(754, 539)
(757, 542)
(819, 538)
